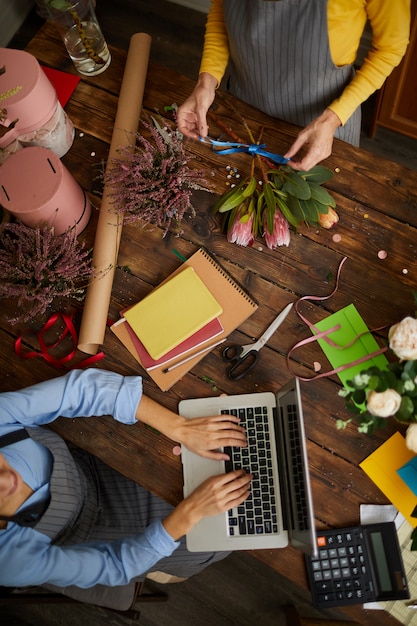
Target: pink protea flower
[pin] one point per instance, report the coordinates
(240, 231)
(280, 235)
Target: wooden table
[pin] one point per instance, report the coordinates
(377, 203)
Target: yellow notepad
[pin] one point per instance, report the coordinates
(382, 466)
(172, 312)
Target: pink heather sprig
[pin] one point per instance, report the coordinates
(152, 181)
(36, 267)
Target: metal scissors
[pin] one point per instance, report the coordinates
(244, 358)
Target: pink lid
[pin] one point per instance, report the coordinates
(37, 188)
(34, 100)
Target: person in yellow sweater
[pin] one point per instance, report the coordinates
(293, 59)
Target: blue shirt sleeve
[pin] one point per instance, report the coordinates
(80, 393)
(28, 558)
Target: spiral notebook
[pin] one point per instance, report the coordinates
(172, 312)
(236, 304)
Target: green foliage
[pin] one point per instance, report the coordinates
(298, 195)
(399, 376)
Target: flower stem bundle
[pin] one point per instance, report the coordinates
(285, 196)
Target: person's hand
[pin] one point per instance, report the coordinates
(317, 139)
(202, 435)
(205, 435)
(215, 495)
(192, 114)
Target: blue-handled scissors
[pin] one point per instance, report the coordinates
(244, 358)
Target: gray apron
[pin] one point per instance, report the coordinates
(90, 501)
(280, 61)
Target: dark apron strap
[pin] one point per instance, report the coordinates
(13, 437)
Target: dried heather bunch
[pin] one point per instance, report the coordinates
(152, 182)
(36, 266)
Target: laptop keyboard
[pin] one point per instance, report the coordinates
(258, 514)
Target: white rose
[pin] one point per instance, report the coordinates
(403, 339)
(384, 403)
(411, 438)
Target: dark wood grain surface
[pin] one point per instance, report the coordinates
(377, 204)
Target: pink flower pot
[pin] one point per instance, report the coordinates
(38, 189)
(29, 99)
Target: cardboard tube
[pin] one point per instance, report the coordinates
(109, 226)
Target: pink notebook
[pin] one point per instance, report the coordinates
(202, 336)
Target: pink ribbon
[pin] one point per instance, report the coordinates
(324, 335)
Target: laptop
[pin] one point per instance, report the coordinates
(279, 509)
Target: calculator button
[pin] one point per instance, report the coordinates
(326, 597)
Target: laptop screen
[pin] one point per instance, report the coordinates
(296, 495)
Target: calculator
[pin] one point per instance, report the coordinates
(356, 565)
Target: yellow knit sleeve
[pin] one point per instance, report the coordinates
(390, 23)
(216, 47)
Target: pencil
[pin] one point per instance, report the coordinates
(191, 356)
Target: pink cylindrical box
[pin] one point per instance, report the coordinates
(29, 101)
(38, 189)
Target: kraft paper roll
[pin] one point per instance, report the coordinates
(109, 226)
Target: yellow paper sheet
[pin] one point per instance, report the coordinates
(109, 226)
(382, 466)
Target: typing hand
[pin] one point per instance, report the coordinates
(205, 435)
(215, 495)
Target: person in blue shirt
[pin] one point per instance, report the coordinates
(69, 521)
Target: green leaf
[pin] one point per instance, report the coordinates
(318, 174)
(250, 189)
(295, 185)
(225, 198)
(359, 396)
(310, 210)
(406, 409)
(270, 221)
(321, 195)
(283, 207)
(269, 197)
(295, 208)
